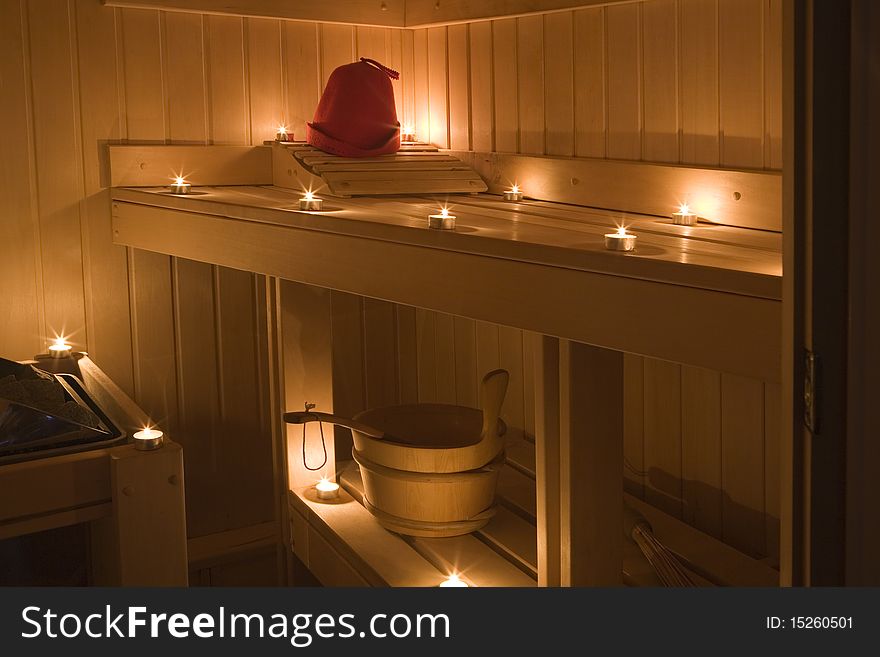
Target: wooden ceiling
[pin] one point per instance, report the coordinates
(382, 13)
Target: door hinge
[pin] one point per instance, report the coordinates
(811, 387)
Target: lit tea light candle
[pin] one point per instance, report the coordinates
(327, 490)
(311, 202)
(148, 438)
(180, 186)
(408, 133)
(283, 134)
(60, 349)
(453, 582)
(513, 194)
(684, 216)
(442, 221)
(620, 241)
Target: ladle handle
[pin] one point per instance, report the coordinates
(302, 417)
(492, 391)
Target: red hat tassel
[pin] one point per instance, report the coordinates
(394, 75)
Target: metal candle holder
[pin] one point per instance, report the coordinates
(180, 186)
(283, 135)
(513, 194)
(442, 221)
(148, 439)
(684, 216)
(311, 203)
(620, 241)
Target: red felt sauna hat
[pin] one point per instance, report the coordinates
(356, 116)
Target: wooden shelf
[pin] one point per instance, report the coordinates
(707, 295)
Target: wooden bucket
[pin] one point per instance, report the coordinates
(429, 504)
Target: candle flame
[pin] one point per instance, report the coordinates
(282, 129)
(179, 180)
(309, 195)
(444, 212)
(684, 208)
(515, 189)
(60, 342)
(621, 231)
(409, 129)
(454, 581)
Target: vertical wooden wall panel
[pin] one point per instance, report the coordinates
(108, 317)
(337, 48)
(660, 81)
(22, 333)
(153, 336)
(558, 59)
(530, 81)
(482, 111)
(773, 84)
(185, 79)
(624, 98)
(589, 82)
(634, 425)
(698, 99)
(142, 67)
(380, 353)
(741, 82)
(459, 88)
(226, 80)
(59, 176)
(663, 435)
(444, 357)
(407, 353)
(466, 375)
(701, 448)
(742, 459)
(199, 395)
(407, 78)
(506, 81)
(244, 450)
(421, 115)
(510, 352)
(438, 87)
(427, 360)
(347, 348)
(301, 62)
(266, 84)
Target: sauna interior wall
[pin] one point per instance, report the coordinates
(694, 81)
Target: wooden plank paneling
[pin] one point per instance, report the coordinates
(660, 81)
(152, 329)
(701, 449)
(265, 81)
(506, 81)
(22, 332)
(459, 87)
(198, 393)
(59, 183)
(624, 94)
(558, 59)
(421, 115)
(105, 266)
(185, 97)
(482, 110)
(444, 357)
(142, 69)
(740, 74)
(510, 350)
(698, 62)
(589, 82)
(742, 459)
(407, 353)
(228, 101)
(772, 456)
(427, 359)
(663, 435)
(337, 48)
(437, 87)
(300, 60)
(466, 377)
(773, 84)
(530, 81)
(634, 425)
(380, 353)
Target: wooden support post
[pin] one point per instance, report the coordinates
(591, 459)
(546, 353)
(143, 542)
